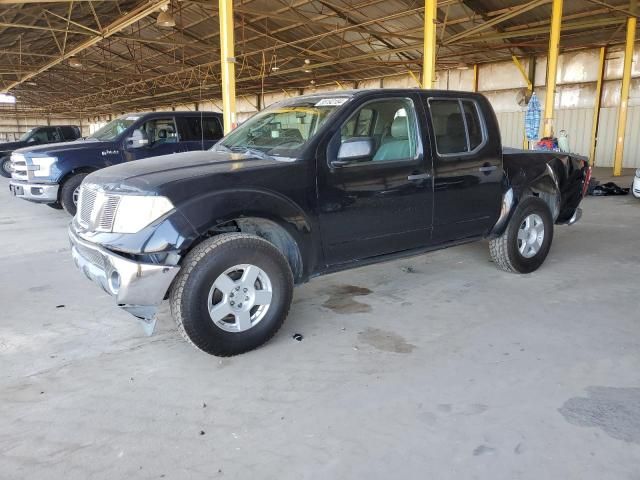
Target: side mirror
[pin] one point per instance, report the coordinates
(353, 150)
(137, 140)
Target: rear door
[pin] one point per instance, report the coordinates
(467, 167)
(198, 132)
(382, 204)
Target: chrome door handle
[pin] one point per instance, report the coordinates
(487, 169)
(419, 176)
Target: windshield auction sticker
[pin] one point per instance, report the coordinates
(331, 102)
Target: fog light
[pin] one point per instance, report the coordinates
(114, 282)
(36, 191)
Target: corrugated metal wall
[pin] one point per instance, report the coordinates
(577, 122)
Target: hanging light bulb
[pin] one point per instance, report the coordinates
(165, 19)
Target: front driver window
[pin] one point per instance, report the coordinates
(160, 131)
(390, 124)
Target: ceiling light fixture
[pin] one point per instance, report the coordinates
(75, 62)
(165, 19)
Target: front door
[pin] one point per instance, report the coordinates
(468, 169)
(162, 139)
(383, 202)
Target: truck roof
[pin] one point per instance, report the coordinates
(180, 113)
(394, 91)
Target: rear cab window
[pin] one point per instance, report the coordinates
(458, 127)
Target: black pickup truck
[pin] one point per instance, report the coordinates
(308, 186)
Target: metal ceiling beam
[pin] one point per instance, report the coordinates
(138, 13)
(514, 12)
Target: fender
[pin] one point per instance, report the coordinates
(210, 212)
(545, 186)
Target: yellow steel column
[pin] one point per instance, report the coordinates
(552, 67)
(475, 77)
(596, 108)
(624, 94)
(227, 62)
(429, 60)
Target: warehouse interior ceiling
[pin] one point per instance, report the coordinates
(90, 57)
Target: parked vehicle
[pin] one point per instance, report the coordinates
(36, 136)
(635, 186)
(52, 174)
(313, 185)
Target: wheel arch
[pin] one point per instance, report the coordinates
(545, 187)
(71, 173)
(268, 215)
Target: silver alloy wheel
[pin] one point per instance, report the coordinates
(240, 298)
(76, 195)
(531, 235)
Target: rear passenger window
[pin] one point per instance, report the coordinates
(211, 128)
(457, 126)
(69, 133)
(191, 129)
(474, 127)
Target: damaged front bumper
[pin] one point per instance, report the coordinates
(138, 288)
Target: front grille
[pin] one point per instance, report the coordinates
(19, 167)
(92, 256)
(96, 208)
(86, 202)
(109, 212)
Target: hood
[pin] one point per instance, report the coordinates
(10, 146)
(150, 174)
(62, 147)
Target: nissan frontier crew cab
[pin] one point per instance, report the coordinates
(52, 174)
(308, 186)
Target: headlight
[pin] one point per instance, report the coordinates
(42, 166)
(137, 211)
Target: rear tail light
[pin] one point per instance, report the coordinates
(587, 180)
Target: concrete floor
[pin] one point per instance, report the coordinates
(436, 367)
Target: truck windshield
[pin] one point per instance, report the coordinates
(282, 130)
(114, 128)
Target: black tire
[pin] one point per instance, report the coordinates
(67, 191)
(504, 249)
(55, 206)
(189, 296)
(4, 167)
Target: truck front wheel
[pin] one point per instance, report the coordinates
(232, 294)
(69, 193)
(524, 245)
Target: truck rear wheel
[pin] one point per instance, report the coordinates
(524, 245)
(69, 193)
(5, 167)
(232, 294)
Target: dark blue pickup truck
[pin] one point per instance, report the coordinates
(52, 174)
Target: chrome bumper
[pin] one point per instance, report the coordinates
(139, 288)
(34, 192)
